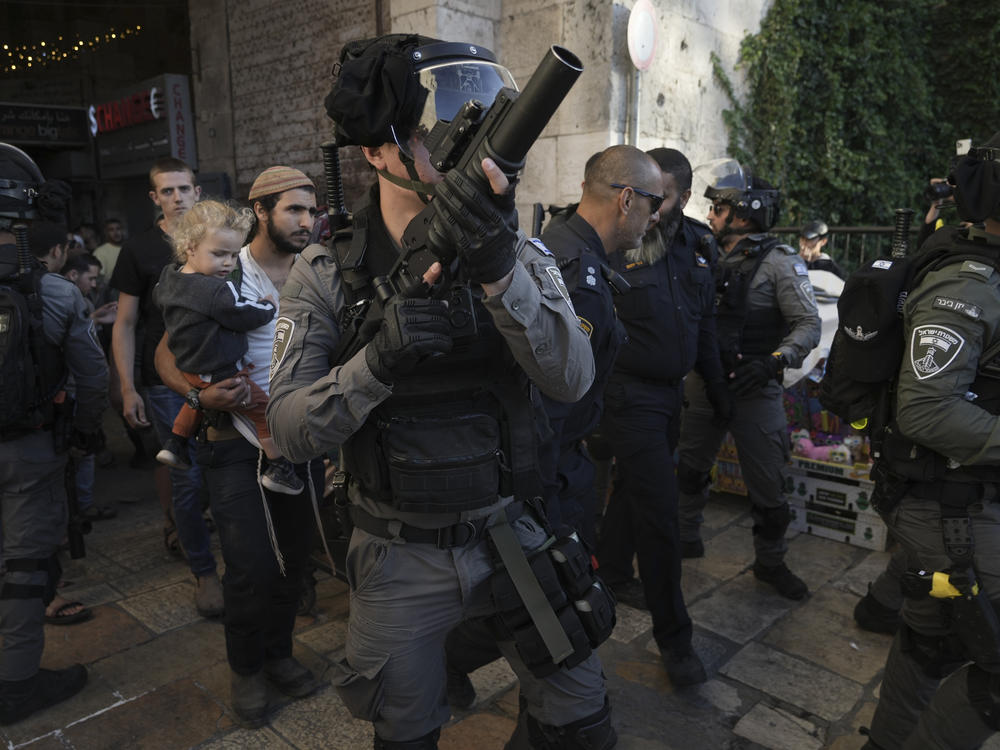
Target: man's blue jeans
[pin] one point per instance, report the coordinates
(163, 405)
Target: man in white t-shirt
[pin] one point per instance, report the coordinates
(261, 597)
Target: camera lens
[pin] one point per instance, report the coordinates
(937, 191)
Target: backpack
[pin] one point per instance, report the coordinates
(867, 349)
(23, 400)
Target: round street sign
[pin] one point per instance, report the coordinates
(642, 35)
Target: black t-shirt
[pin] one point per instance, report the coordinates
(138, 269)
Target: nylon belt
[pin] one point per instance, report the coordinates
(535, 601)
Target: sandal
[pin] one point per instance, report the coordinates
(63, 617)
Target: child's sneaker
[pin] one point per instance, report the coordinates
(280, 477)
(174, 453)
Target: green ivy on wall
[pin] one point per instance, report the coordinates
(852, 105)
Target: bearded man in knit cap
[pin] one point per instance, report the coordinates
(263, 580)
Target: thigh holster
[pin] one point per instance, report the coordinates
(582, 603)
(46, 592)
(936, 655)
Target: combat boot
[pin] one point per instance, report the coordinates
(870, 614)
(784, 581)
(290, 677)
(21, 698)
(248, 697)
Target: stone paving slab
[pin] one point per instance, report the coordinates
(248, 739)
(711, 649)
(109, 631)
(631, 623)
(825, 633)
(195, 716)
(695, 582)
(165, 608)
(740, 609)
(92, 596)
(779, 730)
(816, 560)
(856, 579)
(149, 579)
(325, 639)
(481, 731)
(794, 681)
(320, 722)
(727, 554)
(170, 657)
(492, 680)
(723, 509)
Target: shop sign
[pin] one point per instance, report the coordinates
(38, 124)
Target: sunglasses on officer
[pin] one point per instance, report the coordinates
(716, 208)
(655, 201)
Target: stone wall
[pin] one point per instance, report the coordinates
(261, 104)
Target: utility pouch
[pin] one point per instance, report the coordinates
(341, 505)
(975, 621)
(532, 649)
(572, 561)
(440, 465)
(596, 610)
(889, 488)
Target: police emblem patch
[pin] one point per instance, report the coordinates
(540, 245)
(932, 349)
(700, 260)
(585, 325)
(282, 337)
(801, 270)
(557, 279)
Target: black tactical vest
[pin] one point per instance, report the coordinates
(741, 330)
(459, 431)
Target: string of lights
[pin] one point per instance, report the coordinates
(20, 57)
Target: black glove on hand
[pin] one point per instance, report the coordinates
(722, 402)
(411, 330)
(752, 375)
(478, 224)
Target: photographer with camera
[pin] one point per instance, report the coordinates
(46, 335)
(437, 412)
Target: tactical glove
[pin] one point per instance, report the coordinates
(411, 329)
(722, 402)
(478, 224)
(754, 374)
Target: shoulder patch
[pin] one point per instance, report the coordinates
(586, 326)
(983, 270)
(557, 279)
(700, 260)
(283, 330)
(955, 305)
(882, 264)
(540, 245)
(800, 269)
(932, 349)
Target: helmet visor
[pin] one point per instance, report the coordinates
(711, 181)
(449, 85)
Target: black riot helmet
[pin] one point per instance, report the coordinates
(814, 230)
(751, 197)
(20, 183)
(390, 88)
(976, 178)
(393, 87)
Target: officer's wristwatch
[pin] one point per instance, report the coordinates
(193, 398)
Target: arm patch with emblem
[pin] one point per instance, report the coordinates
(283, 330)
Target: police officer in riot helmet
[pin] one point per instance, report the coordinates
(813, 237)
(937, 480)
(436, 415)
(767, 320)
(34, 434)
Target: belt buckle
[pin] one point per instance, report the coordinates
(453, 536)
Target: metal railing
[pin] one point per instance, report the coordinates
(852, 247)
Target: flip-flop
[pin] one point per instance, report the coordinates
(59, 618)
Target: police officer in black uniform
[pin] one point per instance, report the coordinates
(669, 316)
(33, 511)
(766, 320)
(621, 196)
(938, 482)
